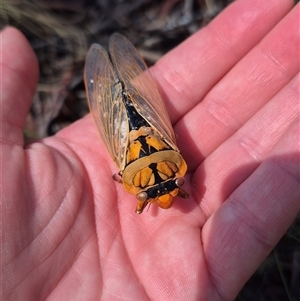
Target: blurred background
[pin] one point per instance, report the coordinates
(61, 31)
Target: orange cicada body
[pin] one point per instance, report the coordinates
(134, 124)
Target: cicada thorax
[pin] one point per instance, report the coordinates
(153, 170)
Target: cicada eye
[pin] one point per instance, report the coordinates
(180, 182)
(142, 196)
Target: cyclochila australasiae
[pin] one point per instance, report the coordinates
(134, 124)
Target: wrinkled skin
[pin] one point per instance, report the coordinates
(69, 232)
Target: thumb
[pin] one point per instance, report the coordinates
(19, 74)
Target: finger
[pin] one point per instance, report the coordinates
(245, 229)
(19, 68)
(241, 154)
(242, 92)
(187, 73)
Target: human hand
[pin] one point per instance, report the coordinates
(69, 232)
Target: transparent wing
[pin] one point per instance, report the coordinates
(105, 102)
(133, 72)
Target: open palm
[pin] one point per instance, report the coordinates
(69, 230)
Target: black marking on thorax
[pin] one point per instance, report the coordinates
(146, 149)
(158, 179)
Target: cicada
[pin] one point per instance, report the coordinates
(134, 124)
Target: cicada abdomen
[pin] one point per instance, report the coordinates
(134, 124)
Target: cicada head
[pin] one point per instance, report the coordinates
(164, 201)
